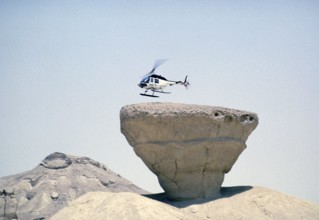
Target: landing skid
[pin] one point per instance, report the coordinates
(163, 92)
(154, 96)
(154, 91)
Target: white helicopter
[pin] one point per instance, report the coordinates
(156, 83)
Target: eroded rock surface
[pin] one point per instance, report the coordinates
(188, 147)
(55, 182)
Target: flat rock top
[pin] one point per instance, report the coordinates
(183, 122)
(165, 109)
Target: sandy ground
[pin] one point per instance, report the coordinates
(241, 202)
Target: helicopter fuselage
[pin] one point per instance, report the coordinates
(155, 82)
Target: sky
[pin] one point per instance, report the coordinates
(68, 67)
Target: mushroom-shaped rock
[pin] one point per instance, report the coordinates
(188, 147)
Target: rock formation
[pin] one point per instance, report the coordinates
(236, 203)
(57, 180)
(188, 147)
(68, 187)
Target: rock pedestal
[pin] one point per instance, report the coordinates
(188, 147)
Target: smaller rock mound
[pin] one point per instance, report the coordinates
(56, 181)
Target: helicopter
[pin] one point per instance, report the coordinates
(156, 83)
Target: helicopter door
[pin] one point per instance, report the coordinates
(153, 82)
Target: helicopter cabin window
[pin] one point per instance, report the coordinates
(156, 80)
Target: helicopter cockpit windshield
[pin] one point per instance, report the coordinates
(146, 80)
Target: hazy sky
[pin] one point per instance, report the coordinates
(67, 68)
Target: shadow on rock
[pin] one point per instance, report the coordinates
(225, 192)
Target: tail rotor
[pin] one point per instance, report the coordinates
(186, 82)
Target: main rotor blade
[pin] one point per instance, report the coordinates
(157, 64)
